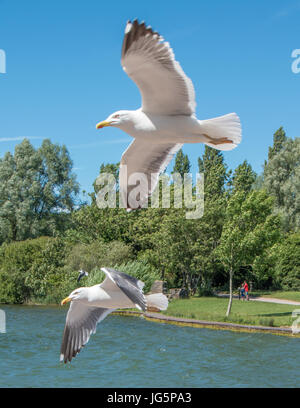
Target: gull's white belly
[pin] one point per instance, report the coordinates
(114, 299)
(165, 129)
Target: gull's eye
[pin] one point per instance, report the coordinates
(116, 116)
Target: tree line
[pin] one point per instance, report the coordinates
(249, 230)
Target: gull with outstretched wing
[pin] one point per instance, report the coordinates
(166, 119)
(90, 305)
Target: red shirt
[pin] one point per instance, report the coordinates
(246, 287)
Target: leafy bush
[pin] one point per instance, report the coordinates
(47, 275)
(95, 277)
(140, 270)
(16, 260)
(206, 289)
(97, 255)
(45, 270)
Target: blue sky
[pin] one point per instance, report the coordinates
(64, 73)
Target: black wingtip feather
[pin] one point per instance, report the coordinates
(136, 31)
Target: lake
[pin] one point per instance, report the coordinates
(133, 352)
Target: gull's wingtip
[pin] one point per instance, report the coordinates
(128, 27)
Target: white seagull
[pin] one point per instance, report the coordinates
(166, 119)
(90, 305)
(82, 273)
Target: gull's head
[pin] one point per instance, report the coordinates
(77, 294)
(117, 119)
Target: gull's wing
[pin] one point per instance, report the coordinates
(81, 322)
(81, 275)
(132, 287)
(149, 159)
(151, 64)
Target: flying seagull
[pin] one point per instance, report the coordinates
(166, 119)
(82, 273)
(90, 305)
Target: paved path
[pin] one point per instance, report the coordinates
(264, 299)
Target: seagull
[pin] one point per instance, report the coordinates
(166, 120)
(82, 273)
(90, 305)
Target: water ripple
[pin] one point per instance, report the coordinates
(129, 351)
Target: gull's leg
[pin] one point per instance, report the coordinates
(216, 142)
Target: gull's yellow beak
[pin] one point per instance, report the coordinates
(66, 300)
(102, 124)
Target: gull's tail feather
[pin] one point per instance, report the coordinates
(223, 127)
(157, 301)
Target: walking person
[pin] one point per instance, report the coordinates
(246, 289)
(242, 292)
(239, 291)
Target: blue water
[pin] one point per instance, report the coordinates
(133, 352)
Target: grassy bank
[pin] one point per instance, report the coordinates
(214, 309)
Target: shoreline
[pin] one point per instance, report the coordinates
(188, 322)
(180, 321)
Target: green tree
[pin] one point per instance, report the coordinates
(258, 183)
(182, 164)
(216, 174)
(18, 187)
(287, 264)
(243, 177)
(279, 138)
(249, 229)
(110, 168)
(282, 181)
(173, 247)
(209, 227)
(91, 223)
(37, 190)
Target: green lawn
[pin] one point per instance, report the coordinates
(214, 309)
